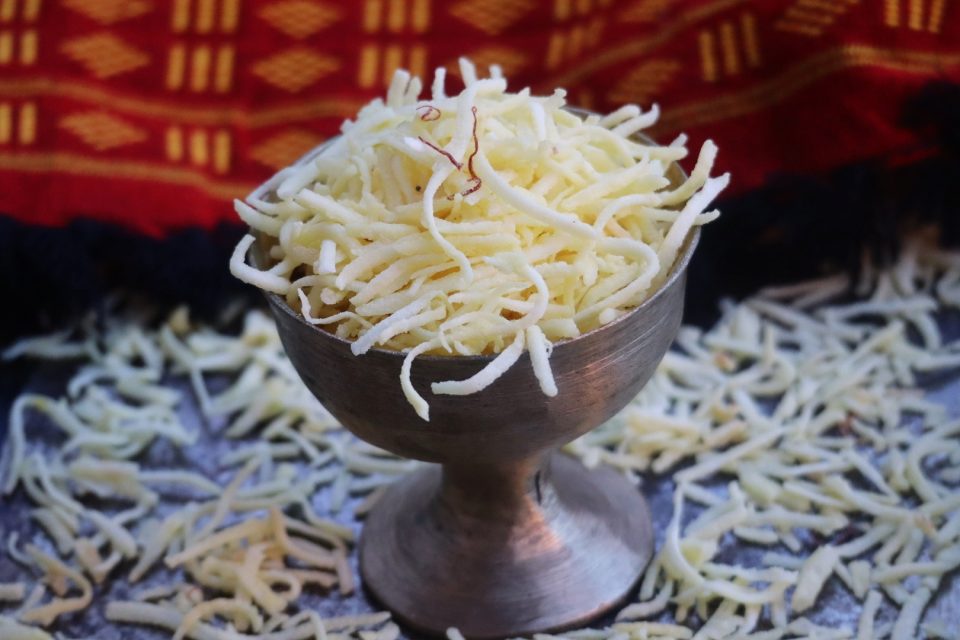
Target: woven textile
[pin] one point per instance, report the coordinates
(152, 114)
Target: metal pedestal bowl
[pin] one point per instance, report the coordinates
(505, 537)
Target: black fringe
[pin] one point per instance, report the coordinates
(49, 276)
(799, 227)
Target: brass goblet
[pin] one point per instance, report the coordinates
(503, 537)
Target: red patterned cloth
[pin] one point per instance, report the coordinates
(153, 113)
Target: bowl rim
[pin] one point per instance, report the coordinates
(678, 268)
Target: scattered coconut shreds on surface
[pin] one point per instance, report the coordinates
(802, 431)
(243, 552)
(791, 428)
(482, 223)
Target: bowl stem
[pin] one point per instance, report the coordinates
(502, 550)
(508, 491)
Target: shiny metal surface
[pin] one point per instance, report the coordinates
(561, 555)
(512, 420)
(507, 538)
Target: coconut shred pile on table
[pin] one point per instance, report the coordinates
(805, 460)
(484, 223)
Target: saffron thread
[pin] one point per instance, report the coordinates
(446, 154)
(431, 113)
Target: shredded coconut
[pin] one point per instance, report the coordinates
(394, 255)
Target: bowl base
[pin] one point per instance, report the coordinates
(572, 551)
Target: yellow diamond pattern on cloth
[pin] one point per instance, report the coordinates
(645, 82)
(492, 16)
(510, 60)
(646, 10)
(110, 11)
(101, 130)
(812, 18)
(295, 69)
(300, 18)
(285, 147)
(104, 55)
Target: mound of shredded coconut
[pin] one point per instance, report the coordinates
(487, 223)
(810, 470)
